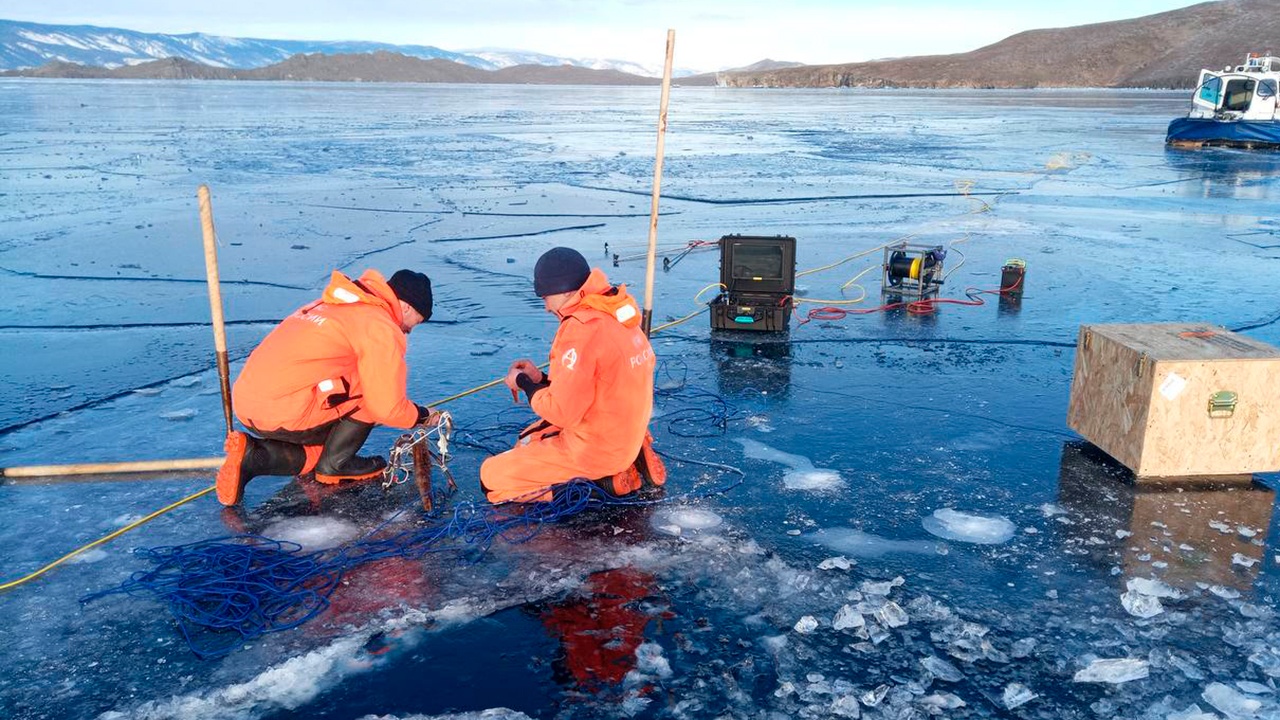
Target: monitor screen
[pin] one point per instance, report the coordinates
(756, 262)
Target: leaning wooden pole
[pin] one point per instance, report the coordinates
(215, 301)
(21, 475)
(647, 320)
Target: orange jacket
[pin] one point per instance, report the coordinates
(601, 391)
(340, 355)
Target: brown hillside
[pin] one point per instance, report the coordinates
(566, 75)
(1163, 50)
(367, 67)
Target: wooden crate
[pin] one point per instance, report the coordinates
(1143, 394)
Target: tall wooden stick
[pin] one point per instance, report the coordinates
(215, 300)
(647, 320)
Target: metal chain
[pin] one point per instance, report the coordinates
(400, 458)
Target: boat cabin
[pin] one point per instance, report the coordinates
(1245, 92)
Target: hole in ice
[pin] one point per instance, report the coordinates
(312, 533)
(682, 521)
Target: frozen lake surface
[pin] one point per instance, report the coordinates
(918, 534)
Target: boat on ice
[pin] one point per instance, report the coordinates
(1235, 107)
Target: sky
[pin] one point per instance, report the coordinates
(710, 34)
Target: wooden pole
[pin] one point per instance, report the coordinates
(215, 301)
(647, 319)
(141, 466)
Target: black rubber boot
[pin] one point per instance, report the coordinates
(248, 457)
(339, 461)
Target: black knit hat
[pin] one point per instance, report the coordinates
(413, 288)
(560, 270)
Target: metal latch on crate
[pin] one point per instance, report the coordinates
(1222, 404)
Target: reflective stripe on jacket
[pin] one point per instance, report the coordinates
(340, 353)
(601, 391)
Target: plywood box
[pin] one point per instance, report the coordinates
(1178, 399)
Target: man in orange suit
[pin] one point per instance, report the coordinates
(595, 402)
(313, 390)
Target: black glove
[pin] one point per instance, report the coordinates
(423, 414)
(530, 387)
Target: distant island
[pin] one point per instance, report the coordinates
(1165, 50)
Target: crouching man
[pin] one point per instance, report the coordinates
(594, 404)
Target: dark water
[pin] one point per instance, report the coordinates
(107, 356)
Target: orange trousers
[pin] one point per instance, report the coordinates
(527, 472)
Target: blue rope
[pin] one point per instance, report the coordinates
(226, 591)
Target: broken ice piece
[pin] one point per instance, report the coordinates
(881, 588)
(872, 698)
(847, 617)
(1220, 526)
(1268, 660)
(941, 669)
(806, 625)
(1246, 531)
(1139, 605)
(839, 562)
(890, 615)
(179, 415)
(1253, 688)
(1122, 534)
(1117, 670)
(938, 702)
(1153, 587)
(1192, 712)
(1230, 702)
(1017, 694)
(1243, 560)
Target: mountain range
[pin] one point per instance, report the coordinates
(1165, 50)
(26, 45)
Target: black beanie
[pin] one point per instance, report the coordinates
(560, 270)
(413, 288)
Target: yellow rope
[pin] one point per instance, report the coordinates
(103, 539)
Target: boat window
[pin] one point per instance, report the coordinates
(1266, 89)
(1237, 95)
(1209, 90)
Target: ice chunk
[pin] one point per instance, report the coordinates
(1223, 592)
(1154, 588)
(891, 615)
(179, 415)
(846, 617)
(1051, 509)
(864, 545)
(839, 562)
(650, 661)
(1023, 647)
(846, 706)
(1139, 605)
(685, 521)
(874, 697)
(313, 533)
(1253, 688)
(774, 643)
(1268, 660)
(1192, 712)
(941, 669)
(938, 702)
(1246, 531)
(1229, 701)
(802, 474)
(1115, 671)
(1243, 560)
(806, 625)
(1220, 526)
(881, 588)
(966, 527)
(1017, 694)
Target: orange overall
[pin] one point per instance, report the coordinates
(340, 356)
(596, 409)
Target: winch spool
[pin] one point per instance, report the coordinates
(912, 270)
